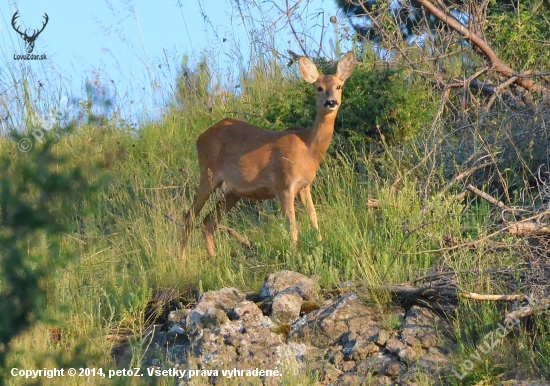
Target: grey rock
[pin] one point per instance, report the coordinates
(343, 314)
(178, 316)
(291, 283)
(286, 307)
(404, 352)
(223, 300)
(345, 341)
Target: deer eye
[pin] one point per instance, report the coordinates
(339, 87)
(320, 89)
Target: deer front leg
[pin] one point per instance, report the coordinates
(287, 204)
(307, 201)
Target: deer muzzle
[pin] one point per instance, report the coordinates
(331, 104)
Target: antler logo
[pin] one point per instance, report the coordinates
(29, 40)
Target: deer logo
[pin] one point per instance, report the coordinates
(29, 40)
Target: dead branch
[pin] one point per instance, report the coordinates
(442, 297)
(481, 46)
(491, 298)
(523, 312)
(474, 244)
(487, 197)
(528, 228)
(461, 196)
(498, 90)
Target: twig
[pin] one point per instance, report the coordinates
(498, 90)
(487, 197)
(288, 13)
(481, 46)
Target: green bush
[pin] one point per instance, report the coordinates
(377, 103)
(40, 196)
(519, 34)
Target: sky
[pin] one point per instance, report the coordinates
(135, 47)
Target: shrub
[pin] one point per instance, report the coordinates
(377, 103)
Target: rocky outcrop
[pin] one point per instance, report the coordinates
(292, 331)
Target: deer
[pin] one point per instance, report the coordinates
(245, 161)
(29, 40)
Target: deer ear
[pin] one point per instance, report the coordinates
(345, 66)
(308, 70)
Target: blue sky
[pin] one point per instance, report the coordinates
(137, 46)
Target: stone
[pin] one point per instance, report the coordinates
(405, 353)
(223, 300)
(345, 341)
(290, 282)
(342, 314)
(178, 316)
(286, 308)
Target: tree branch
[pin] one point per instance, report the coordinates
(481, 46)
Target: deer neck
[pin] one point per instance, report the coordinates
(320, 135)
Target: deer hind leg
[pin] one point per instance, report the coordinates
(210, 222)
(307, 201)
(205, 190)
(287, 203)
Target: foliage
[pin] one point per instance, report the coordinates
(521, 34)
(377, 103)
(33, 204)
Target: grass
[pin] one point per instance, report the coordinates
(126, 250)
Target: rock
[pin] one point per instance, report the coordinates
(395, 368)
(341, 315)
(335, 356)
(178, 316)
(425, 328)
(341, 338)
(286, 307)
(223, 300)
(360, 352)
(248, 312)
(330, 373)
(404, 352)
(348, 366)
(373, 365)
(177, 329)
(291, 283)
(381, 337)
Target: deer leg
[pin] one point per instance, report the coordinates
(287, 203)
(307, 201)
(204, 191)
(210, 222)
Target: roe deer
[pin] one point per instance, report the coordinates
(258, 164)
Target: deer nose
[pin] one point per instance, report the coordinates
(331, 103)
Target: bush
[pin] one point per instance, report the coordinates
(378, 103)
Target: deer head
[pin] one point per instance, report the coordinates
(29, 40)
